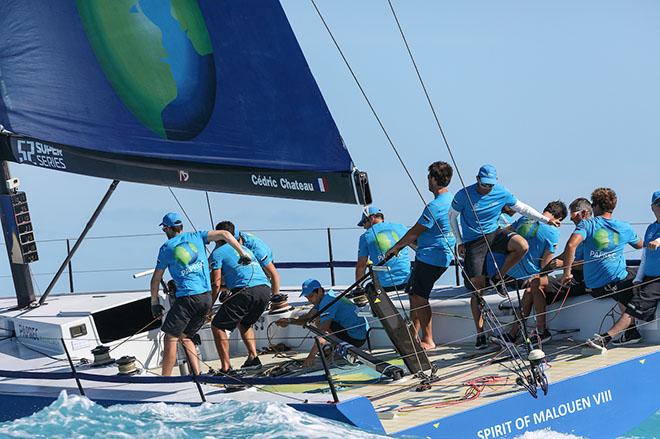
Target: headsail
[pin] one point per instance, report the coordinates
(198, 94)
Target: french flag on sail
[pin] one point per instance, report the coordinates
(323, 184)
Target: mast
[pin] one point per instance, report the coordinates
(20, 270)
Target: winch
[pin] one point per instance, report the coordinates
(101, 356)
(127, 365)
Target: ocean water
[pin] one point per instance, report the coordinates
(77, 417)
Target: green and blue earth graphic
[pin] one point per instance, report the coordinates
(186, 253)
(528, 229)
(385, 241)
(158, 57)
(605, 239)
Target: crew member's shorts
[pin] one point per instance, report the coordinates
(244, 306)
(340, 332)
(422, 279)
(621, 291)
(555, 291)
(187, 315)
(477, 250)
(645, 299)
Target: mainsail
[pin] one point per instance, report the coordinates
(212, 95)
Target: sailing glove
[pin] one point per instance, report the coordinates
(245, 260)
(157, 310)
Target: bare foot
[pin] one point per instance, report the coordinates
(427, 346)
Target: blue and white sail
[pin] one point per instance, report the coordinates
(199, 94)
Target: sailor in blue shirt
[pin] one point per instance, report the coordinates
(603, 239)
(249, 296)
(434, 250)
(374, 243)
(479, 207)
(259, 248)
(645, 296)
(184, 256)
(341, 319)
(542, 240)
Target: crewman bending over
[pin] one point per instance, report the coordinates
(259, 248)
(248, 297)
(341, 319)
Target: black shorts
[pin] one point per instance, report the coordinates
(555, 292)
(244, 307)
(341, 333)
(422, 279)
(187, 315)
(621, 291)
(477, 250)
(645, 299)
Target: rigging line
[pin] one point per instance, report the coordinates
(454, 341)
(182, 208)
(570, 348)
(208, 204)
(385, 132)
(366, 98)
(442, 133)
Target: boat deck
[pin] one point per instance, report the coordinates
(401, 405)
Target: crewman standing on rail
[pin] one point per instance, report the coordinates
(259, 248)
(379, 237)
(184, 256)
(434, 252)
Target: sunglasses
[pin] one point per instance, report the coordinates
(486, 185)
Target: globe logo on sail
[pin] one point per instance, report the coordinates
(158, 57)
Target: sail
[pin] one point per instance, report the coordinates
(206, 94)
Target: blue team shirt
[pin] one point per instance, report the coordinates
(184, 256)
(435, 244)
(652, 264)
(235, 275)
(376, 241)
(345, 313)
(261, 251)
(541, 238)
(488, 208)
(604, 241)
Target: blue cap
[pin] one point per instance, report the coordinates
(487, 174)
(655, 197)
(309, 286)
(172, 219)
(371, 210)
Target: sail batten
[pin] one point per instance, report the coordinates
(200, 94)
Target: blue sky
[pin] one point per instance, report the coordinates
(561, 97)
